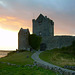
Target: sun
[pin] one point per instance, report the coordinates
(8, 40)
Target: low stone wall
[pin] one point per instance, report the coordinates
(57, 69)
(46, 65)
(69, 67)
(11, 64)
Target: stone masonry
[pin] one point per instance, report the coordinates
(23, 36)
(44, 27)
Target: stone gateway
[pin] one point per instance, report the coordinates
(44, 27)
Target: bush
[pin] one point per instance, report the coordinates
(35, 41)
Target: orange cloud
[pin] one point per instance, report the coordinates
(2, 19)
(11, 18)
(14, 23)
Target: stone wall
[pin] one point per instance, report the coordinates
(57, 41)
(43, 26)
(56, 69)
(23, 39)
(46, 65)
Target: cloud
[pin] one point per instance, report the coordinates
(19, 13)
(13, 23)
(15, 14)
(2, 4)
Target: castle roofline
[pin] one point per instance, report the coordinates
(24, 30)
(40, 17)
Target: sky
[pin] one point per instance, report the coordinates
(16, 14)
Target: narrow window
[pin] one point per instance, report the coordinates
(40, 33)
(40, 22)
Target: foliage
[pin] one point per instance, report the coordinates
(13, 70)
(35, 41)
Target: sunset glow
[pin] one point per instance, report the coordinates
(8, 40)
(9, 27)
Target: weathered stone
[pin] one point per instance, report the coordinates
(23, 39)
(47, 66)
(3, 62)
(18, 65)
(27, 57)
(70, 67)
(22, 66)
(44, 27)
(29, 65)
(35, 63)
(8, 63)
(13, 64)
(50, 67)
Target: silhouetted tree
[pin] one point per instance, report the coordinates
(35, 41)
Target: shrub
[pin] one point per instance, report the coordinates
(35, 41)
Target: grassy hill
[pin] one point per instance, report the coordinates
(59, 57)
(21, 58)
(13, 70)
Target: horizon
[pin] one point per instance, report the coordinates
(18, 14)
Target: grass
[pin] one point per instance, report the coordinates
(18, 58)
(58, 57)
(21, 59)
(13, 70)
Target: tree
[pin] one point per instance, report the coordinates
(35, 41)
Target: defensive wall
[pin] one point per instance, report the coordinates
(57, 41)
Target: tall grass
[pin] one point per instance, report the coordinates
(60, 57)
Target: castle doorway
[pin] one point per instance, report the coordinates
(43, 47)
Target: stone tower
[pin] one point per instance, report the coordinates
(43, 26)
(23, 35)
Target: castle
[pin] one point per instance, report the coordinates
(44, 27)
